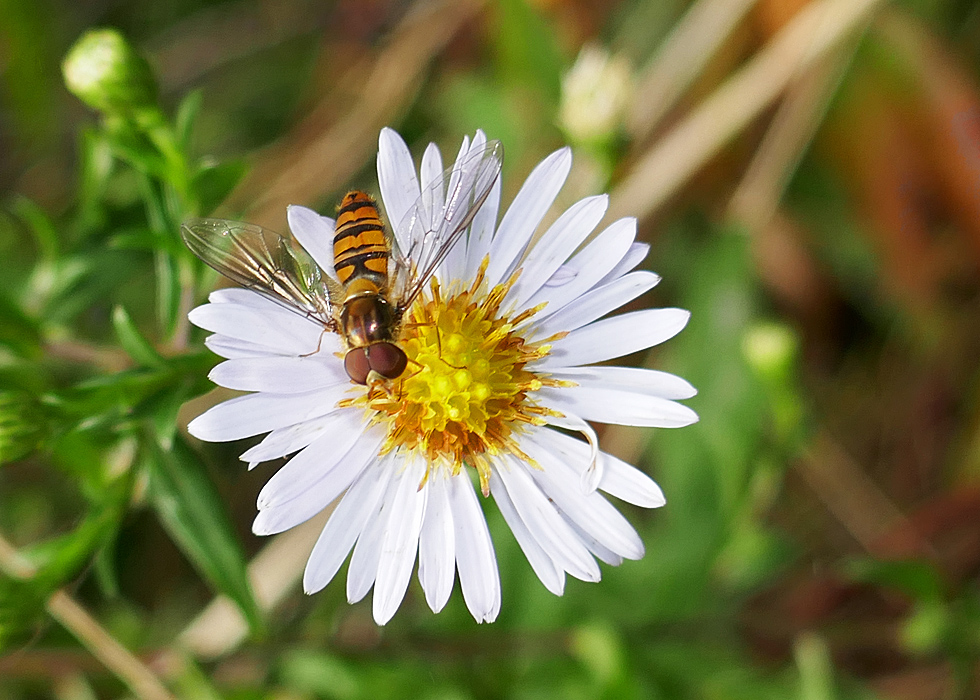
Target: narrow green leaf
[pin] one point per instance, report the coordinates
(132, 341)
(192, 511)
(96, 167)
(144, 239)
(57, 561)
(163, 410)
(21, 609)
(187, 112)
(134, 148)
(920, 580)
(40, 226)
(60, 559)
(18, 331)
(168, 291)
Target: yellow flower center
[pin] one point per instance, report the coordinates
(466, 389)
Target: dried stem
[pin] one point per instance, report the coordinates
(758, 194)
(853, 498)
(681, 58)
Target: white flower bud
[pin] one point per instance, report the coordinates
(594, 96)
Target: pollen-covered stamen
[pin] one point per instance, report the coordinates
(466, 389)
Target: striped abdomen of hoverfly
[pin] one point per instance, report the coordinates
(367, 320)
(360, 250)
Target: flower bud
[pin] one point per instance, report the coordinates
(594, 96)
(107, 74)
(771, 350)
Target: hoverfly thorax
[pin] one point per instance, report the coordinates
(367, 319)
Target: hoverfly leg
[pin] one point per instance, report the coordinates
(439, 348)
(319, 342)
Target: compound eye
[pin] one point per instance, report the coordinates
(387, 359)
(358, 365)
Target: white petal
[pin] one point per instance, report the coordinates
(254, 414)
(594, 468)
(273, 327)
(364, 561)
(343, 527)
(615, 337)
(547, 571)
(525, 213)
(629, 484)
(314, 234)
(283, 441)
(234, 349)
(644, 381)
(437, 546)
(243, 297)
(586, 268)
(475, 558)
(324, 461)
(546, 525)
(433, 194)
(398, 183)
(591, 512)
(618, 406)
(601, 552)
(596, 303)
(619, 479)
(322, 492)
(281, 375)
(481, 231)
(557, 245)
(633, 257)
(400, 543)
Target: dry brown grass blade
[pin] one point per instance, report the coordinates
(303, 169)
(853, 498)
(813, 32)
(680, 60)
(758, 195)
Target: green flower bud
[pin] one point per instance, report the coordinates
(771, 350)
(107, 74)
(21, 425)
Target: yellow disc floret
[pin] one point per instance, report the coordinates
(466, 389)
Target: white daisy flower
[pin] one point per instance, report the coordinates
(501, 347)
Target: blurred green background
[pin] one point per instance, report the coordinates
(808, 175)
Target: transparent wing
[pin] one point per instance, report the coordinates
(265, 262)
(461, 191)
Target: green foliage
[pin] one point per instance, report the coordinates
(108, 419)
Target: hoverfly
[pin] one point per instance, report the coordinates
(373, 280)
